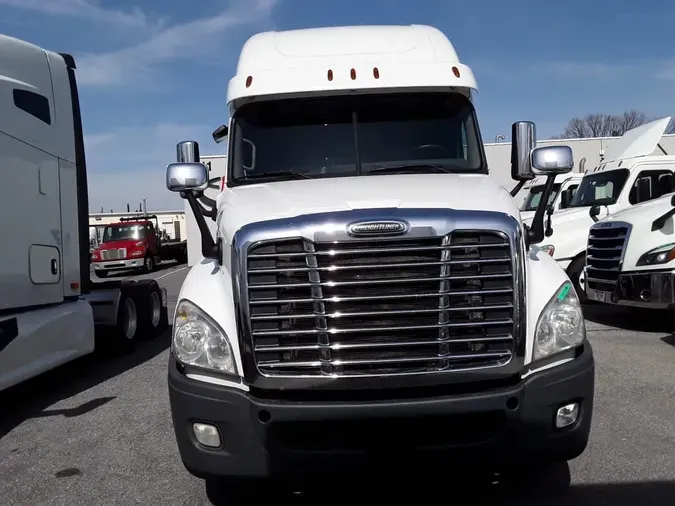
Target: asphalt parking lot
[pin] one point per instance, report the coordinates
(99, 431)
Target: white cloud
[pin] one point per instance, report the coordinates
(127, 165)
(85, 9)
(194, 39)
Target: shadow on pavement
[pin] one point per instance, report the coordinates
(32, 398)
(627, 318)
(470, 491)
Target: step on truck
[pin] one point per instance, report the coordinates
(50, 311)
(370, 290)
(631, 253)
(629, 174)
(134, 243)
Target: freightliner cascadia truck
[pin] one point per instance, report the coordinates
(371, 293)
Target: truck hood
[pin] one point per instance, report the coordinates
(642, 238)
(559, 217)
(126, 243)
(570, 232)
(527, 215)
(646, 211)
(268, 201)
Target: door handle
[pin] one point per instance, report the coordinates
(55, 271)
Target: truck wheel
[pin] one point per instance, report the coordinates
(148, 264)
(153, 313)
(101, 274)
(574, 271)
(127, 328)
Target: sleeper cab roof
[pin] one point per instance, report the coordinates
(347, 58)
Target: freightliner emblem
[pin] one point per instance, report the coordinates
(376, 228)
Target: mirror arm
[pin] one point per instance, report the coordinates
(548, 229)
(210, 248)
(659, 222)
(535, 234)
(518, 187)
(594, 216)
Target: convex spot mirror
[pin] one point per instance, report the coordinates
(551, 160)
(187, 176)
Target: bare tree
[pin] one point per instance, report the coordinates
(607, 125)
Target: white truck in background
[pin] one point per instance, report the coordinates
(629, 174)
(370, 289)
(50, 311)
(564, 188)
(631, 256)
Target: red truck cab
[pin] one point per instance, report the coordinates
(130, 244)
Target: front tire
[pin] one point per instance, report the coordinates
(148, 264)
(574, 272)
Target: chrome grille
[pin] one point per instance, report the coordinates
(381, 307)
(114, 254)
(604, 254)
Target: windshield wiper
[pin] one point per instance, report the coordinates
(412, 167)
(284, 174)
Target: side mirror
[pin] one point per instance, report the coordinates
(672, 201)
(593, 212)
(644, 189)
(190, 177)
(523, 141)
(565, 198)
(187, 176)
(552, 160)
(548, 161)
(220, 134)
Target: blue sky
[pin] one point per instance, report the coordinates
(154, 72)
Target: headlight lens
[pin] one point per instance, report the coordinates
(199, 341)
(561, 325)
(658, 256)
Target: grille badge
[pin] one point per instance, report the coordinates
(371, 228)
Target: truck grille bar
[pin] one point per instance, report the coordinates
(381, 307)
(114, 254)
(604, 254)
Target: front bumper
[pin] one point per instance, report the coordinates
(112, 265)
(645, 289)
(499, 427)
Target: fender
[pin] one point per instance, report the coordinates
(544, 279)
(209, 286)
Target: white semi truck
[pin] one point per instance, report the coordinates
(629, 174)
(370, 290)
(631, 256)
(563, 190)
(50, 312)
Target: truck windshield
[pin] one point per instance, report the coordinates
(602, 188)
(123, 233)
(533, 198)
(335, 136)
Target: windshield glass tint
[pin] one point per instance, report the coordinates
(318, 137)
(533, 198)
(602, 188)
(123, 232)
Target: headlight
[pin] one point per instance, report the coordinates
(658, 256)
(548, 248)
(561, 325)
(199, 341)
